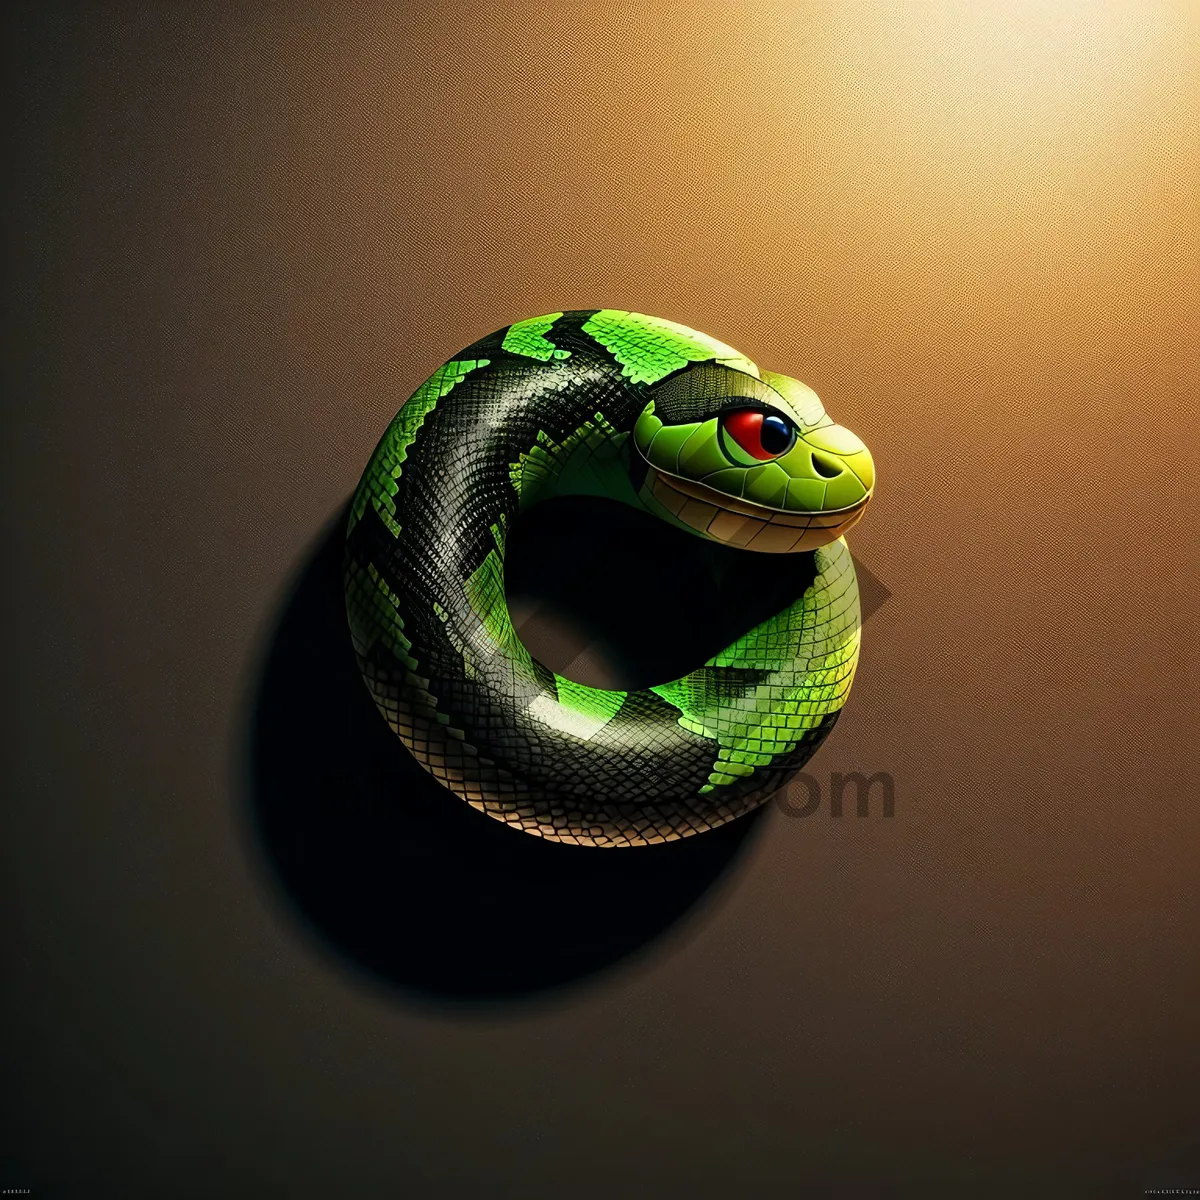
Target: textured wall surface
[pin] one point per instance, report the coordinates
(240, 236)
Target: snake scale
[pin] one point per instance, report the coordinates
(655, 415)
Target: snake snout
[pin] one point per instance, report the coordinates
(839, 465)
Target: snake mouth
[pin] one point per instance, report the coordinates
(727, 519)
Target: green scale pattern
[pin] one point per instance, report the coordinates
(810, 651)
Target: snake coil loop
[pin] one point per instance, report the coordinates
(654, 415)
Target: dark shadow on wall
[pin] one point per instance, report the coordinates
(401, 877)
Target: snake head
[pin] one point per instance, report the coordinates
(751, 462)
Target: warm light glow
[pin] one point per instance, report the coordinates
(1029, 71)
(1023, 47)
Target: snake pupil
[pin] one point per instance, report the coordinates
(777, 435)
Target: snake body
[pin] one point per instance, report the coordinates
(657, 416)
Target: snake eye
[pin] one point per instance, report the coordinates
(762, 435)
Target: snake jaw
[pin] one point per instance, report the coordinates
(722, 518)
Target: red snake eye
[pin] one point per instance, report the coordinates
(762, 435)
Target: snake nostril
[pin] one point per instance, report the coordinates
(827, 468)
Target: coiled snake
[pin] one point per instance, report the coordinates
(660, 417)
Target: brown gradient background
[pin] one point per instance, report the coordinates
(238, 240)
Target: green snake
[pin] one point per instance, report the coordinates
(655, 415)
